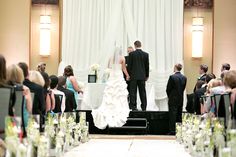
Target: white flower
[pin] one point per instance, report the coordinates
(95, 67)
(61, 134)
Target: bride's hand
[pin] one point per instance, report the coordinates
(127, 78)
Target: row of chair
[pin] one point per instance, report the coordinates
(6, 103)
(222, 106)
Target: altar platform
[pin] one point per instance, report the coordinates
(156, 124)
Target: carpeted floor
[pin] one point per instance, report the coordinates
(129, 146)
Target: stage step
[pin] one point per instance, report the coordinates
(132, 126)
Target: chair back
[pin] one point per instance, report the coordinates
(217, 98)
(5, 99)
(58, 102)
(227, 108)
(19, 103)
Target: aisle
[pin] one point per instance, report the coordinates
(128, 147)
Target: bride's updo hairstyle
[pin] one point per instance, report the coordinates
(68, 71)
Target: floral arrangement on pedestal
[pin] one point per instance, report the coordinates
(95, 68)
(61, 134)
(206, 136)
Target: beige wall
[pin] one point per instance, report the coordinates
(224, 34)
(14, 30)
(52, 61)
(191, 65)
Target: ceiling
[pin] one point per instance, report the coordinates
(208, 4)
(54, 2)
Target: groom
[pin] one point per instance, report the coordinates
(138, 68)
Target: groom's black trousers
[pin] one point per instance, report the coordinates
(133, 84)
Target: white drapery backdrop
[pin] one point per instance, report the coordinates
(92, 28)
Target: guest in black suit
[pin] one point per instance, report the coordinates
(175, 90)
(200, 91)
(202, 71)
(39, 106)
(138, 69)
(70, 98)
(39, 102)
(225, 67)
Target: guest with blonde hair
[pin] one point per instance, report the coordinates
(36, 77)
(15, 77)
(230, 82)
(230, 79)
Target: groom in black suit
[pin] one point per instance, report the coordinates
(138, 68)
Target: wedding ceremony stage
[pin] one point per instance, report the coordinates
(153, 121)
(91, 31)
(139, 123)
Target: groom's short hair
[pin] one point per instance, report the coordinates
(137, 43)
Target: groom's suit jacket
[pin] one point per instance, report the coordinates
(138, 65)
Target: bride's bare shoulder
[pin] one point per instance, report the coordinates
(122, 59)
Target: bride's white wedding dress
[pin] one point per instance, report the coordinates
(114, 109)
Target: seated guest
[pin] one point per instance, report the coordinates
(225, 66)
(230, 82)
(190, 108)
(202, 71)
(70, 98)
(39, 102)
(3, 73)
(41, 67)
(215, 86)
(218, 86)
(230, 79)
(200, 92)
(15, 78)
(48, 94)
(71, 83)
(53, 86)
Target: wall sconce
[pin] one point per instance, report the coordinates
(45, 35)
(197, 37)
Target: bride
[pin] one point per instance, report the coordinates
(114, 110)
